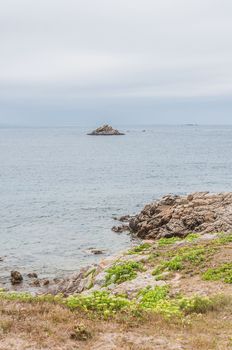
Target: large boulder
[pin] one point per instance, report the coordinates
(199, 212)
(16, 277)
(105, 130)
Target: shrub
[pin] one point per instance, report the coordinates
(192, 237)
(121, 272)
(163, 242)
(196, 304)
(140, 248)
(224, 238)
(223, 272)
(100, 302)
(194, 255)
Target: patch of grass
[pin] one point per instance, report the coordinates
(91, 272)
(224, 238)
(100, 302)
(121, 272)
(192, 237)
(80, 333)
(29, 298)
(196, 304)
(5, 326)
(163, 242)
(194, 255)
(223, 273)
(139, 249)
(159, 301)
(184, 256)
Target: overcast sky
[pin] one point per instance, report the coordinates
(65, 62)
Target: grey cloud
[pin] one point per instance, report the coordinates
(71, 56)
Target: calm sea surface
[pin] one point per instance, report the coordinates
(59, 188)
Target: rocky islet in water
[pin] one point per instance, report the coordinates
(105, 130)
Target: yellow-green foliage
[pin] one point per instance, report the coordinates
(224, 238)
(196, 304)
(159, 301)
(29, 298)
(100, 302)
(192, 237)
(163, 242)
(104, 304)
(139, 249)
(193, 255)
(223, 273)
(121, 272)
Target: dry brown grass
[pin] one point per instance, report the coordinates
(49, 326)
(41, 326)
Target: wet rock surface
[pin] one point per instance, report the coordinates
(120, 229)
(32, 275)
(96, 251)
(16, 277)
(199, 212)
(105, 130)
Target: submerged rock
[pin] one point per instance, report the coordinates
(16, 277)
(97, 251)
(199, 212)
(105, 130)
(120, 229)
(35, 283)
(32, 275)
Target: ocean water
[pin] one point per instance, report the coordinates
(60, 188)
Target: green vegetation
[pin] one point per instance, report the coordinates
(223, 273)
(100, 302)
(80, 333)
(159, 301)
(197, 304)
(184, 256)
(29, 298)
(192, 237)
(103, 304)
(224, 238)
(121, 272)
(163, 242)
(139, 249)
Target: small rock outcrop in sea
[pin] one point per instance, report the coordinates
(16, 277)
(199, 212)
(32, 275)
(105, 130)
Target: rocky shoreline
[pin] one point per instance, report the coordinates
(175, 287)
(199, 212)
(171, 216)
